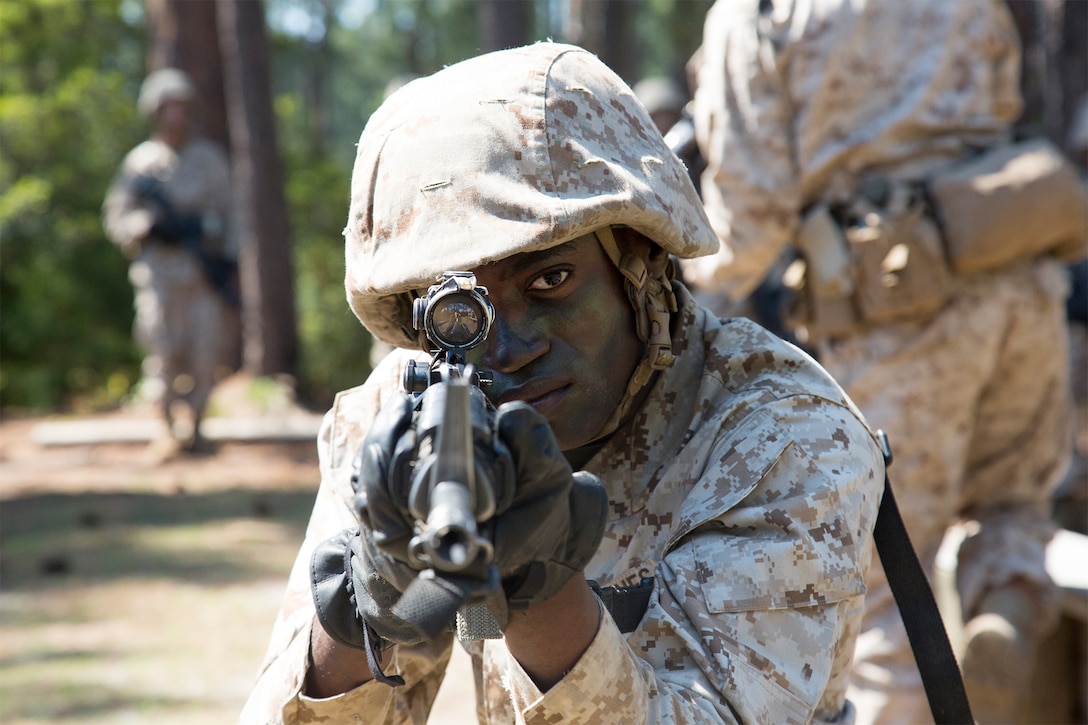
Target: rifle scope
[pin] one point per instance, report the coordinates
(456, 314)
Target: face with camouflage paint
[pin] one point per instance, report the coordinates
(564, 336)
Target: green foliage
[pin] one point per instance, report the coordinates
(66, 119)
(334, 349)
(69, 76)
(676, 27)
(344, 71)
(349, 70)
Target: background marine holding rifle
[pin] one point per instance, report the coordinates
(632, 438)
(168, 209)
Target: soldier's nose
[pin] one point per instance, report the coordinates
(509, 348)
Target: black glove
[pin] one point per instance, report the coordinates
(353, 598)
(174, 228)
(359, 576)
(547, 524)
(555, 522)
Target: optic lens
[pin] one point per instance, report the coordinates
(456, 319)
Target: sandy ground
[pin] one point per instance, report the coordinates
(137, 590)
(110, 560)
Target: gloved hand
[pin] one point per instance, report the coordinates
(349, 591)
(392, 470)
(354, 602)
(547, 524)
(556, 519)
(548, 521)
(174, 228)
(352, 580)
(353, 597)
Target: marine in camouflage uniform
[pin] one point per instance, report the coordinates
(801, 107)
(738, 474)
(182, 321)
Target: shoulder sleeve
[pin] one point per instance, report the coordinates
(743, 123)
(761, 601)
(756, 607)
(125, 219)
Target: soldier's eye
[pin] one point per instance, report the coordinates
(550, 280)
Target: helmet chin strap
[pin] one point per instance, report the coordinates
(653, 300)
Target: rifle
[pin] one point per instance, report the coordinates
(186, 229)
(451, 497)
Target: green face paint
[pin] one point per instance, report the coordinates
(564, 337)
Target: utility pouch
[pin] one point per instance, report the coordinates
(876, 260)
(822, 281)
(1013, 201)
(899, 261)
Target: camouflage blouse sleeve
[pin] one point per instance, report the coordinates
(758, 598)
(805, 101)
(750, 187)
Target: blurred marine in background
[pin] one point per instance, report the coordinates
(874, 139)
(168, 209)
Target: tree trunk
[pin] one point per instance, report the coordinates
(319, 61)
(618, 45)
(270, 337)
(503, 23)
(184, 35)
(607, 28)
(1072, 65)
(1055, 64)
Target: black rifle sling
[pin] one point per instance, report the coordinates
(937, 664)
(627, 605)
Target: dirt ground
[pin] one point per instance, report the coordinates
(134, 590)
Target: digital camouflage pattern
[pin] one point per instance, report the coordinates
(180, 319)
(747, 484)
(976, 403)
(974, 397)
(522, 150)
(838, 91)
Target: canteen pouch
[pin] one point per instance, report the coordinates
(874, 260)
(900, 269)
(1010, 202)
(821, 282)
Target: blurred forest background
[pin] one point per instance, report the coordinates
(287, 86)
(133, 591)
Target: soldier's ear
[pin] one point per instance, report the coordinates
(657, 259)
(653, 256)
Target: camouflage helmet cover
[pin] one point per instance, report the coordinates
(513, 151)
(166, 84)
